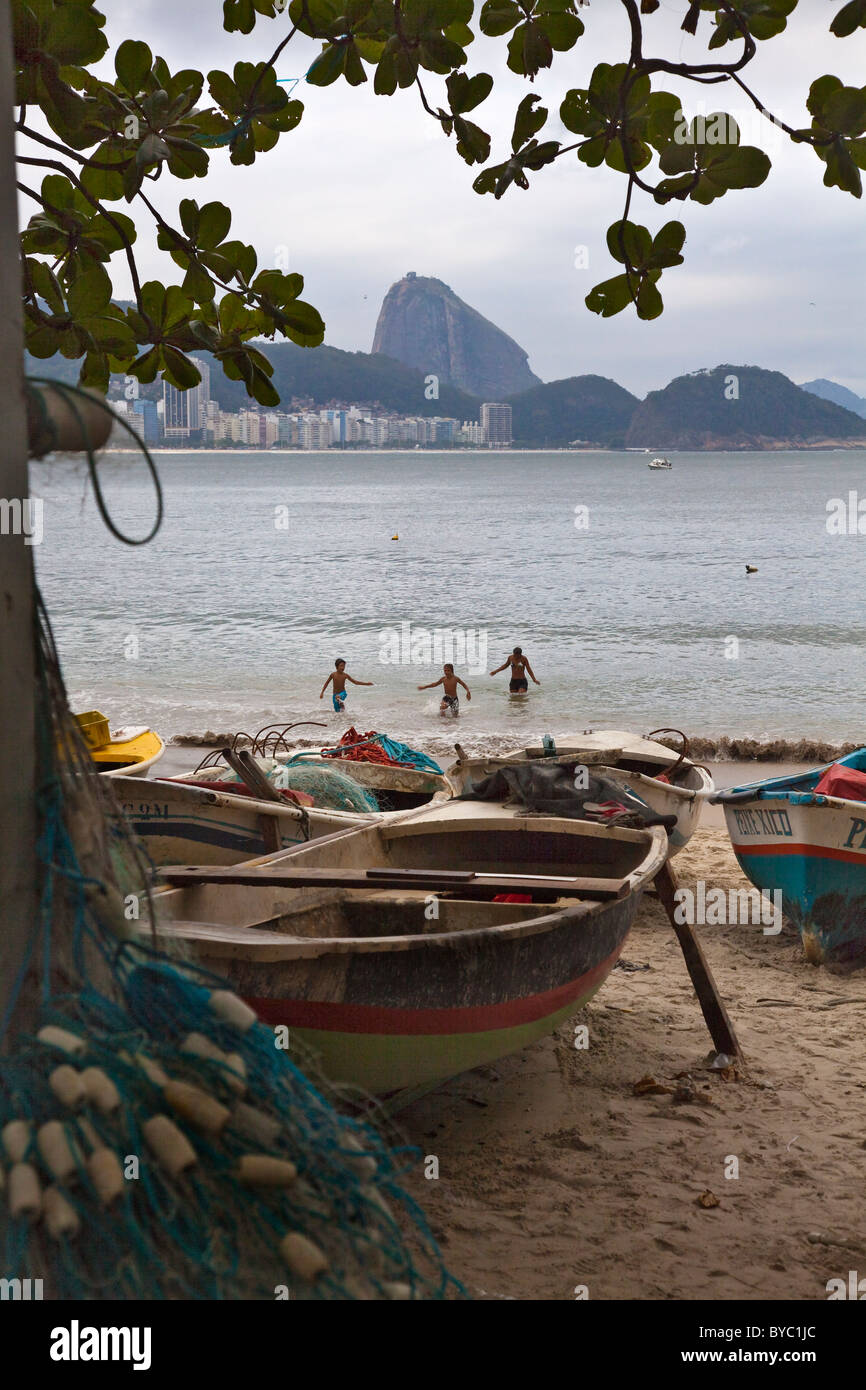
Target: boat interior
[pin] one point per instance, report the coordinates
(407, 867)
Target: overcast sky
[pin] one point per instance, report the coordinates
(367, 189)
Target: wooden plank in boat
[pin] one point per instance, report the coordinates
(185, 876)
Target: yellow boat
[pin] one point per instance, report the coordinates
(128, 752)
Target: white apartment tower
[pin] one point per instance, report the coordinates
(496, 424)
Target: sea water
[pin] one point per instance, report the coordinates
(626, 588)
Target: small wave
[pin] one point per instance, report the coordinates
(724, 748)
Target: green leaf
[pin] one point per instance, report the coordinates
(529, 50)
(499, 17)
(89, 293)
(820, 91)
(180, 370)
(132, 63)
(327, 67)
(845, 110)
(849, 18)
(214, 224)
(528, 120)
(610, 297)
(465, 93)
(473, 143)
(648, 300)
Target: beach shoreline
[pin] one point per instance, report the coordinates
(558, 1179)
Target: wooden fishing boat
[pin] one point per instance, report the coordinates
(811, 847)
(128, 752)
(636, 762)
(394, 952)
(182, 823)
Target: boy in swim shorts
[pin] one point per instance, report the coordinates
(339, 676)
(450, 700)
(519, 664)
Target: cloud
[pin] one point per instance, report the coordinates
(361, 193)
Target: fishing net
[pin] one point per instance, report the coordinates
(155, 1142)
(330, 790)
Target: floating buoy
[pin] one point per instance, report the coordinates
(303, 1257)
(61, 1037)
(61, 1218)
(59, 1155)
(106, 1175)
(197, 1106)
(200, 1046)
(233, 1010)
(100, 1089)
(398, 1292)
(260, 1170)
(17, 1135)
(152, 1070)
(25, 1192)
(67, 1085)
(751, 569)
(364, 1164)
(169, 1143)
(237, 1069)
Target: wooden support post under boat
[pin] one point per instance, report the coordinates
(714, 1012)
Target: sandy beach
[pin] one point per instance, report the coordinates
(556, 1177)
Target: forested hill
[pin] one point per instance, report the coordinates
(732, 407)
(579, 409)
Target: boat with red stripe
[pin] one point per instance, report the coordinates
(411, 950)
(805, 836)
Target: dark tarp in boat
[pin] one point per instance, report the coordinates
(551, 789)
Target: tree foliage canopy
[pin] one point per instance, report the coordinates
(113, 138)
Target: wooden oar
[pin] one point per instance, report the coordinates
(425, 880)
(714, 1012)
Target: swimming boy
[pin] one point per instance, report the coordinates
(339, 676)
(450, 701)
(519, 666)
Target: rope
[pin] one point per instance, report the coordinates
(49, 429)
(378, 748)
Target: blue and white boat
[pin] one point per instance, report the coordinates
(811, 847)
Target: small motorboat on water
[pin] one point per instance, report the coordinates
(805, 836)
(658, 463)
(667, 782)
(424, 944)
(126, 752)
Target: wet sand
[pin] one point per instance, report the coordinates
(554, 1174)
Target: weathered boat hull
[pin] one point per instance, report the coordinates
(427, 996)
(190, 825)
(811, 849)
(370, 1039)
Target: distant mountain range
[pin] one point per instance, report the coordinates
(733, 407)
(839, 395)
(435, 355)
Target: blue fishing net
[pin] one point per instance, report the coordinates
(156, 1141)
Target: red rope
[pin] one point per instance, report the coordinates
(348, 749)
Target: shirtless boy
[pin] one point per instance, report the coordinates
(450, 701)
(519, 666)
(339, 676)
